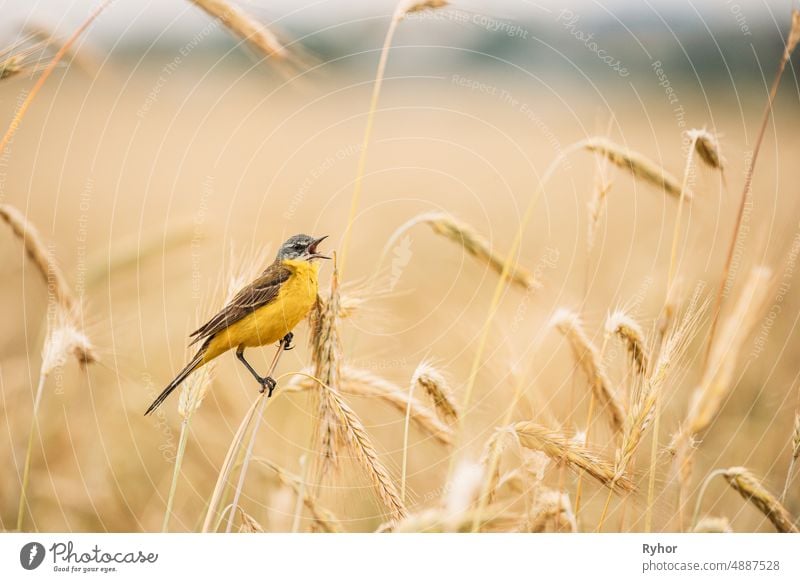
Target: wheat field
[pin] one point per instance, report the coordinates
(519, 333)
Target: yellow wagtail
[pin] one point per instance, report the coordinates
(262, 313)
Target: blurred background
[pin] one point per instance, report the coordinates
(165, 150)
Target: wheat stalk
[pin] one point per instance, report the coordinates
(751, 489)
(628, 330)
(560, 448)
(244, 26)
(16, 59)
(62, 341)
(597, 203)
(706, 145)
(327, 360)
(356, 437)
(717, 378)
(492, 452)
(433, 383)
(795, 455)
(403, 8)
(644, 408)
(359, 382)
(640, 166)
(470, 240)
(588, 358)
(37, 252)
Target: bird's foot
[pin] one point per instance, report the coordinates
(267, 383)
(286, 342)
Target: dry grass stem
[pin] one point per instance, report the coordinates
(433, 383)
(587, 357)
(641, 167)
(560, 448)
(751, 489)
(628, 330)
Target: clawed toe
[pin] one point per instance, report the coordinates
(269, 384)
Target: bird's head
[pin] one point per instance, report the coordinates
(301, 247)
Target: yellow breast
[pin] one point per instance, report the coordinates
(269, 324)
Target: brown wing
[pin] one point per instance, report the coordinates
(257, 294)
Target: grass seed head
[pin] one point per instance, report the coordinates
(587, 356)
(751, 489)
(433, 383)
(628, 330)
(640, 166)
(707, 147)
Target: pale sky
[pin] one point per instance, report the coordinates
(139, 20)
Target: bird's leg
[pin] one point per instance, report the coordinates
(286, 342)
(267, 383)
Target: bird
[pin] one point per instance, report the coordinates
(263, 312)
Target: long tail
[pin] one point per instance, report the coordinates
(190, 367)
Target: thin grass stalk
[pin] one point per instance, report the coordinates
(253, 434)
(403, 7)
(794, 37)
(23, 496)
(589, 418)
(494, 458)
(641, 167)
(795, 455)
(176, 471)
(477, 360)
(673, 256)
(703, 488)
(229, 462)
(406, 425)
(301, 495)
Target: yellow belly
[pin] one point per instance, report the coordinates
(269, 324)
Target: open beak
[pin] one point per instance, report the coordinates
(312, 249)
